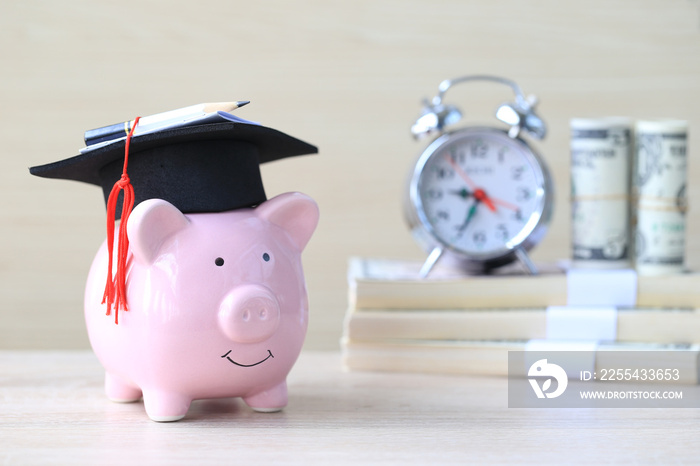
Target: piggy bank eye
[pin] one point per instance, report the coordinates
(266, 257)
(219, 261)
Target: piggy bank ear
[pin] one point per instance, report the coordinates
(296, 213)
(151, 223)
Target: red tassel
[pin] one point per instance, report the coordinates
(115, 290)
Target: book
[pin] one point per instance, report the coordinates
(456, 324)
(388, 284)
(490, 358)
(633, 324)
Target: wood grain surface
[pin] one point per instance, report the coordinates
(53, 411)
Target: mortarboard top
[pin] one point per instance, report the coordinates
(211, 167)
(205, 168)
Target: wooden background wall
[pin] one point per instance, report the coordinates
(346, 76)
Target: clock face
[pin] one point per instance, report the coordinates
(479, 192)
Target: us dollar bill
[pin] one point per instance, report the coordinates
(601, 151)
(660, 187)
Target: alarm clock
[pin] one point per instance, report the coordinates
(479, 197)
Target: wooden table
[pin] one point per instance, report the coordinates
(53, 411)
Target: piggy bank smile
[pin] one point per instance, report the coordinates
(269, 355)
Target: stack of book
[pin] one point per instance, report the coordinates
(454, 324)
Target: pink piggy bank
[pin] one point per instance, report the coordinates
(217, 306)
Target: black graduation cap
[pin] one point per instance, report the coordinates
(211, 167)
(205, 168)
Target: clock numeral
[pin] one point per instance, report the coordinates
(444, 173)
(523, 194)
(434, 194)
(502, 154)
(458, 157)
(518, 214)
(479, 150)
(443, 215)
(479, 238)
(502, 232)
(517, 173)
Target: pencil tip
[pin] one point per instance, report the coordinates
(241, 103)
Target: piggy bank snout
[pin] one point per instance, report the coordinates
(249, 314)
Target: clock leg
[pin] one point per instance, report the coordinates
(430, 262)
(526, 261)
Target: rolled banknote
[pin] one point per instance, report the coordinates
(660, 189)
(601, 151)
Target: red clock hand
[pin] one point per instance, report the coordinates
(505, 204)
(479, 194)
(461, 173)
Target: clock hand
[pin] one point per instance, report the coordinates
(507, 205)
(503, 203)
(462, 174)
(470, 215)
(479, 194)
(464, 193)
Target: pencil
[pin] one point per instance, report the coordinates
(118, 130)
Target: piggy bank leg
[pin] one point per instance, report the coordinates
(165, 406)
(268, 401)
(119, 391)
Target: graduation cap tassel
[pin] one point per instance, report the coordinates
(115, 289)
